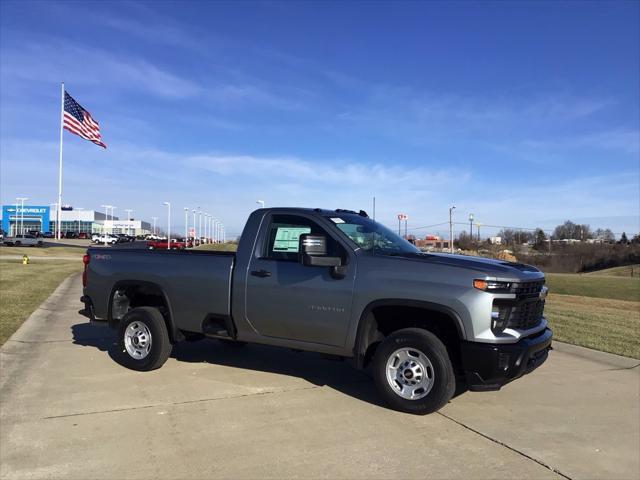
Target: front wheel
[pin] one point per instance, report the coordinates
(17, 244)
(413, 372)
(143, 338)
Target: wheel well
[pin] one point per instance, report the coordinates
(382, 321)
(127, 296)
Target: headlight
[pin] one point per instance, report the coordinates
(499, 318)
(491, 286)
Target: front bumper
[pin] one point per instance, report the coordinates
(490, 366)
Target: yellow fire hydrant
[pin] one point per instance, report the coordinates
(25, 260)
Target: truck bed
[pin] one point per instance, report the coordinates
(196, 283)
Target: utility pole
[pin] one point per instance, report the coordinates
(478, 226)
(451, 208)
(405, 227)
(471, 226)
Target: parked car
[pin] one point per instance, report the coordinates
(47, 235)
(334, 282)
(83, 236)
(26, 240)
(95, 237)
(162, 244)
(110, 239)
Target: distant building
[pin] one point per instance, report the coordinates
(495, 240)
(432, 242)
(43, 219)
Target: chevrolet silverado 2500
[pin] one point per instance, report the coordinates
(334, 282)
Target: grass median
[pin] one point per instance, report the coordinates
(596, 311)
(24, 287)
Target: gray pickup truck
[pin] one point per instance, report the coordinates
(335, 282)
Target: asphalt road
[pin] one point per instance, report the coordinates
(67, 410)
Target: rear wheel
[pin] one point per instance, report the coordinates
(17, 243)
(144, 342)
(413, 372)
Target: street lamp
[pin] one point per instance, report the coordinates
(104, 225)
(112, 219)
(206, 221)
(261, 203)
(79, 209)
(186, 223)
(451, 228)
(128, 210)
(55, 231)
(154, 224)
(21, 200)
(168, 204)
(471, 227)
(194, 227)
(199, 223)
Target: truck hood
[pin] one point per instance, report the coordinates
(487, 266)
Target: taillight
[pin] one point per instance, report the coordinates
(85, 260)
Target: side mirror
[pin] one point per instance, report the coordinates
(312, 251)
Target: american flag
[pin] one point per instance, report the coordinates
(77, 120)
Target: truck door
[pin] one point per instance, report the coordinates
(286, 299)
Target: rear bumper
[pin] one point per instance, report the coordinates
(489, 366)
(88, 311)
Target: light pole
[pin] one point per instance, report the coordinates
(55, 225)
(194, 227)
(128, 210)
(451, 228)
(199, 223)
(206, 231)
(168, 204)
(471, 227)
(21, 200)
(154, 224)
(217, 228)
(104, 225)
(79, 209)
(261, 203)
(112, 220)
(478, 225)
(186, 224)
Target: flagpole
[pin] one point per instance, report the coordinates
(59, 234)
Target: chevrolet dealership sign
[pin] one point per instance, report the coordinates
(30, 213)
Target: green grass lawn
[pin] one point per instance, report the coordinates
(66, 251)
(626, 271)
(608, 325)
(221, 247)
(24, 287)
(597, 286)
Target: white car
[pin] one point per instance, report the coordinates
(23, 241)
(107, 239)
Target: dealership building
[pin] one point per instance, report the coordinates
(42, 218)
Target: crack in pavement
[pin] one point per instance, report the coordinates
(187, 402)
(513, 449)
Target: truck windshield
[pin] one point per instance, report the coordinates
(371, 236)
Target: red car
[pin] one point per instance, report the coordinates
(162, 244)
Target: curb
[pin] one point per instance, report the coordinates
(596, 355)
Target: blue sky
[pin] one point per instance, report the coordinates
(524, 113)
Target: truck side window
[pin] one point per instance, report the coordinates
(283, 235)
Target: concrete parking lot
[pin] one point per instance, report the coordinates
(213, 411)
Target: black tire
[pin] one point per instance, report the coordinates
(444, 381)
(17, 244)
(40, 244)
(232, 343)
(160, 347)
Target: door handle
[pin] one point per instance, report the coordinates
(260, 273)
